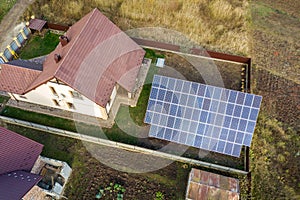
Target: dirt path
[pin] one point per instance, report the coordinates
(10, 26)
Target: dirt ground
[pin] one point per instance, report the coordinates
(8, 26)
(276, 58)
(276, 76)
(138, 186)
(201, 70)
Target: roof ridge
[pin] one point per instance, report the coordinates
(30, 88)
(83, 28)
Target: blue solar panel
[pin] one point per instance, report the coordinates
(202, 116)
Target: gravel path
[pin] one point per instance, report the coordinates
(10, 25)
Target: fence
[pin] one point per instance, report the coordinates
(119, 145)
(57, 27)
(9, 52)
(246, 72)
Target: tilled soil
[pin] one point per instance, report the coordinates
(137, 186)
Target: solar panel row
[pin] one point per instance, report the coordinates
(202, 116)
(199, 141)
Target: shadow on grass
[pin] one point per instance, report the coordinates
(39, 45)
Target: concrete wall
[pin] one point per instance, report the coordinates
(60, 96)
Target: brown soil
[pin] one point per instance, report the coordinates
(276, 58)
(137, 186)
(202, 70)
(281, 97)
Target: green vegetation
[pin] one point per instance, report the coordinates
(111, 191)
(5, 6)
(159, 196)
(275, 161)
(39, 46)
(54, 146)
(138, 113)
(262, 10)
(114, 133)
(152, 54)
(3, 98)
(39, 118)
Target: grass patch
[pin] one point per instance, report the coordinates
(261, 10)
(152, 54)
(181, 179)
(113, 133)
(5, 6)
(54, 146)
(274, 160)
(40, 46)
(3, 98)
(39, 118)
(138, 113)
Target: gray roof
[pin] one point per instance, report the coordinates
(27, 64)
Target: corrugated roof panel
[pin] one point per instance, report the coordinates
(97, 53)
(211, 186)
(37, 24)
(14, 185)
(16, 79)
(96, 47)
(17, 152)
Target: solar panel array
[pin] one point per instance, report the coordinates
(202, 116)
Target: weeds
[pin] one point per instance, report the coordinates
(217, 24)
(5, 6)
(111, 191)
(159, 196)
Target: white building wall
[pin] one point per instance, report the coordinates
(44, 95)
(112, 99)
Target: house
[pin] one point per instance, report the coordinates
(17, 155)
(203, 185)
(83, 74)
(26, 175)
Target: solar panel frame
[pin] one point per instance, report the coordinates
(202, 116)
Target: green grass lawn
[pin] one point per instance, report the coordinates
(138, 113)
(5, 6)
(3, 98)
(113, 133)
(54, 146)
(39, 46)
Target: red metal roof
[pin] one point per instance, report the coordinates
(17, 152)
(14, 185)
(204, 185)
(98, 56)
(16, 79)
(37, 24)
(17, 155)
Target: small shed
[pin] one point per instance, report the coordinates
(37, 24)
(203, 185)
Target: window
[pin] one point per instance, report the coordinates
(75, 95)
(70, 105)
(55, 102)
(53, 90)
